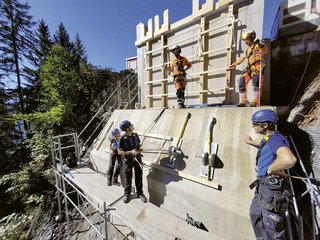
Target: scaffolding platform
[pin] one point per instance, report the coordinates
(145, 219)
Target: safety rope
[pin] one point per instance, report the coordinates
(305, 69)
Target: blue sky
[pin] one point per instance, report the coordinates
(107, 28)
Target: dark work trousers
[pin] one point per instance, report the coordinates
(128, 165)
(180, 97)
(267, 212)
(115, 164)
(255, 83)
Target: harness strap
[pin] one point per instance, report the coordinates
(248, 55)
(271, 179)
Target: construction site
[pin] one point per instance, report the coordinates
(196, 167)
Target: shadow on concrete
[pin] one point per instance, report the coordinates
(158, 180)
(218, 163)
(157, 185)
(178, 164)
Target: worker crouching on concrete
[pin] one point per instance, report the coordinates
(254, 69)
(267, 210)
(178, 67)
(129, 147)
(115, 159)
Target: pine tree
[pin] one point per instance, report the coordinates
(16, 41)
(43, 40)
(42, 49)
(61, 37)
(79, 50)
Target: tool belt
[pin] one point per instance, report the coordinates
(179, 77)
(269, 180)
(277, 192)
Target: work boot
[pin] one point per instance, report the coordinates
(253, 104)
(241, 104)
(116, 183)
(143, 198)
(109, 183)
(126, 198)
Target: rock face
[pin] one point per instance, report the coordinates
(295, 63)
(295, 83)
(306, 115)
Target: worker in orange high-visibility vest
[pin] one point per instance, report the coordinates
(179, 66)
(254, 68)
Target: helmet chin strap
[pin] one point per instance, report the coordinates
(265, 128)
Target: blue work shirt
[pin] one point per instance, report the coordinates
(268, 152)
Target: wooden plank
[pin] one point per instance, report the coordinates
(174, 226)
(149, 75)
(156, 136)
(187, 176)
(104, 135)
(229, 54)
(203, 61)
(164, 85)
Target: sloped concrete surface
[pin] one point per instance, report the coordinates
(223, 212)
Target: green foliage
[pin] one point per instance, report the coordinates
(64, 91)
(42, 49)
(13, 227)
(79, 50)
(26, 185)
(44, 42)
(15, 36)
(16, 40)
(61, 37)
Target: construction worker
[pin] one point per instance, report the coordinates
(271, 196)
(178, 67)
(129, 147)
(115, 159)
(254, 69)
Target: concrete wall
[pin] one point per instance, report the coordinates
(296, 17)
(295, 63)
(225, 211)
(210, 53)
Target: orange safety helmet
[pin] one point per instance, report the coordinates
(248, 35)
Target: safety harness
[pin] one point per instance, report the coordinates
(265, 179)
(180, 76)
(281, 199)
(263, 142)
(248, 55)
(130, 143)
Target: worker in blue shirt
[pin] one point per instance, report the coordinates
(271, 195)
(129, 147)
(115, 161)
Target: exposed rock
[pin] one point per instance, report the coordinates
(306, 115)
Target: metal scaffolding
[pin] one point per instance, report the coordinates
(65, 188)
